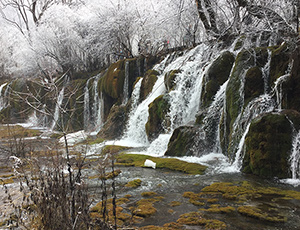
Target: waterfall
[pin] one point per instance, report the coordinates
(86, 106)
(278, 90)
(214, 113)
(184, 99)
(2, 97)
(278, 85)
(57, 108)
(93, 107)
(266, 72)
(126, 84)
(295, 157)
(262, 104)
(98, 106)
(135, 130)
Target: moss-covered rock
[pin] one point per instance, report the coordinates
(181, 142)
(113, 79)
(243, 61)
(268, 146)
(254, 84)
(280, 59)
(147, 83)
(114, 126)
(234, 101)
(157, 121)
(170, 78)
(166, 163)
(217, 74)
(291, 88)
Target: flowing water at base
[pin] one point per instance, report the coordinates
(171, 185)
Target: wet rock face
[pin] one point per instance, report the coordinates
(217, 74)
(115, 123)
(181, 142)
(157, 121)
(170, 79)
(268, 146)
(147, 83)
(254, 84)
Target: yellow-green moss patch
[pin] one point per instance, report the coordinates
(175, 203)
(196, 219)
(258, 213)
(167, 163)
(134, 183)
(17, 131)
(218, 209)
(147, 194)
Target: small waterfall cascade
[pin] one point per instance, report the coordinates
(266, 72)
(295, 157)
(259, 105)
(93, 106)
(135, 97)
(135, 130)
(184, 99)
(278, 85)
(126, 84)
(2, 97)
(213, 116)
(57, 109)
(86, 107)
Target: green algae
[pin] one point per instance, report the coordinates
(166, 163)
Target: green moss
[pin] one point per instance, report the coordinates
(254, 84)
(147, 83)
(17, 131)
(115, 123)
(218, 209)
(147, 194)
(175, 203)
(196, 219)
(157, 120)
(216, 75)
(182, 141)
(170, 78)
(113, 79)
(234, 103)
(113, 149)
(268, 143)
(107, 176)
(240, 43)
(280, 59)
(145, 207)
(6, 181)
(258, 213)
(134, 183)
(167, 163)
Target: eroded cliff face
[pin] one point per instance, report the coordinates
(242, 101)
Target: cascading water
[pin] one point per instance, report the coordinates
(93, 109)
(295, 157)
(135, 130)
(126, 84)
(57, 109)
(259, 105)
(212, 119)
(184, 99)
(278, 85)
(86, 108)
(2, 97)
